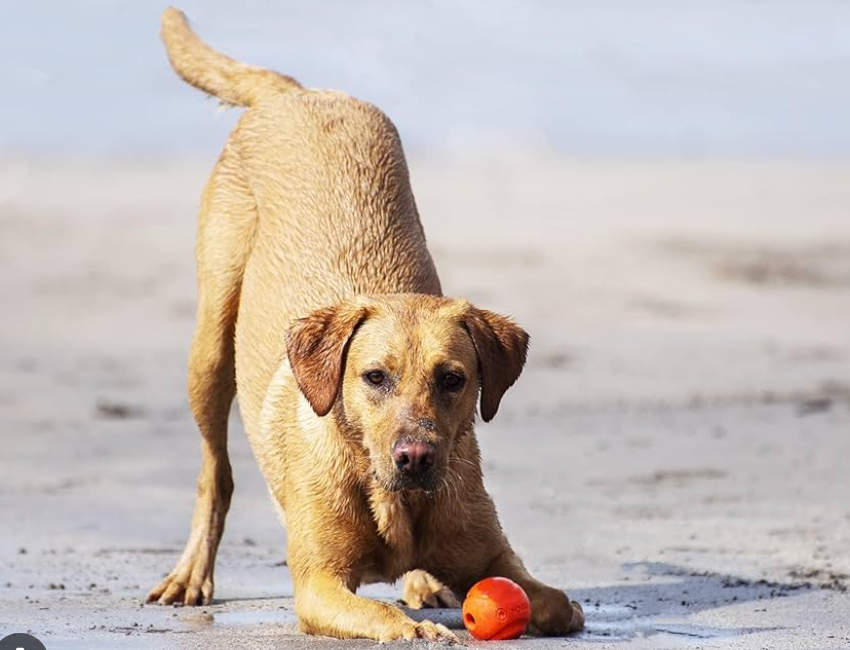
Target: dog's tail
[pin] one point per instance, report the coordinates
(198, 64)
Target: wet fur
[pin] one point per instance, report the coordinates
(312, 265)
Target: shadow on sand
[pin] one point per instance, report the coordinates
(655, 601)
(664, 593)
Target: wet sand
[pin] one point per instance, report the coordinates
(675, 455)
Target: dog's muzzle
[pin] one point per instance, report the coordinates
(414, 461)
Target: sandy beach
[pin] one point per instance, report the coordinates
(689, 382)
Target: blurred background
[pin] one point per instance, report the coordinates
(730, 78)
(659, 191)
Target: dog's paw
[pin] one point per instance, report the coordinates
(421, 589)
(426, 630)
(554, 614)
(188, 584)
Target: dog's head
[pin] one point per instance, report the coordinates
(404, 372)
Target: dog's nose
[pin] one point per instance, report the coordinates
(414, 457)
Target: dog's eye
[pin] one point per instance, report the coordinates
(452, 381)
(375, 377)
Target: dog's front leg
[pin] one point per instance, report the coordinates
(325, 605)
(552, 612)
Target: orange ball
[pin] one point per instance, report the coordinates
(496, 609)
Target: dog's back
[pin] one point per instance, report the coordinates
(335, 215)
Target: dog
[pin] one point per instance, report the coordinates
(320, 308)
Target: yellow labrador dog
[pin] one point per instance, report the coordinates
(319, 306)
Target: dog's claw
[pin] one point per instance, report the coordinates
(421, 590)
(181, 589)
(429, 631)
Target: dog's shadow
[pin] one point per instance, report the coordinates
(630, 610)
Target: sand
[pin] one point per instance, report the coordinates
(675, 455)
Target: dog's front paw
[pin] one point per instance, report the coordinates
(421, 589)
(554, 614)
(411, 630)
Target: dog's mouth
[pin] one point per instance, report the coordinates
(400, 482)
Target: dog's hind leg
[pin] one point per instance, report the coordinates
(226, 231)
(421, 589)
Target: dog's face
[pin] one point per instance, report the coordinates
(404, 373)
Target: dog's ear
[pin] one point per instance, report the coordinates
(316, 346)
(501, 345)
